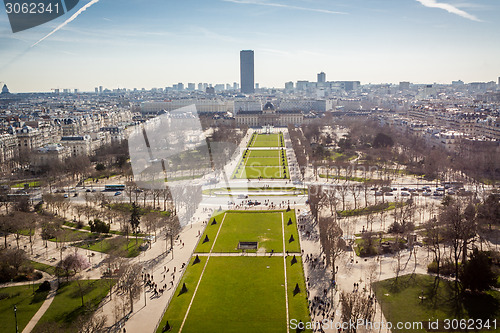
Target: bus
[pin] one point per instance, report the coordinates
(114, 187)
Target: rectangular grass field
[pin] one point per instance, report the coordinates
(238, 294)
(259, 163)
(241, 293)
(266, 140)
(264, 227)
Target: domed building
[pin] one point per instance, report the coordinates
(269, 116)
(5, 90)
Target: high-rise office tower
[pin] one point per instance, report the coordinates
(247, 72)
(321, 77)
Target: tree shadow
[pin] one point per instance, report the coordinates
(481, 305)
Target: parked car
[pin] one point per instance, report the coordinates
(405, 194)
(118, 193)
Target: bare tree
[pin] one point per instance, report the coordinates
(343, 190)
(152, 221)
(331, 199)
(91, 323)
(356, 306)
(316, 199)
(460, 228)
(355, 191)
(130, 279)
(330, 236)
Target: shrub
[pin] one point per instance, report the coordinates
(99, 226)
(447, 267)
(45, 286)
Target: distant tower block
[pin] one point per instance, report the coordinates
(321, 77)
(247, 72)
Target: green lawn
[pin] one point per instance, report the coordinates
(297, 304)
(385, 206)
(27, 304)
(236, 294)
(67, 304)
(249, 190)
(266, 140)
(266, 172)
(43, 267)
(31, 184)
(400, 302)
(264, 227)
(263, 164)
(291, 230)
(243, 293)
(70, 235)
(264, 153)
(179, 303)
(128, 248)
(353, 179)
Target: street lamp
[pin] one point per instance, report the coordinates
(15, 316)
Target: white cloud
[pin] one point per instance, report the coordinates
(280, 5)
(449, 8)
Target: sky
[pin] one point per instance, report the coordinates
(157, 43)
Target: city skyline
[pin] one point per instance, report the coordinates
(420, 41)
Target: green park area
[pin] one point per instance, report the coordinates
(259, 163)
(121, 246)
(242, 293)
(27, 304)
(263, 227)
(67, 304)
(418, 298)
(267, 140)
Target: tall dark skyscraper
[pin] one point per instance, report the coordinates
(321, 77)
(247, 72)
